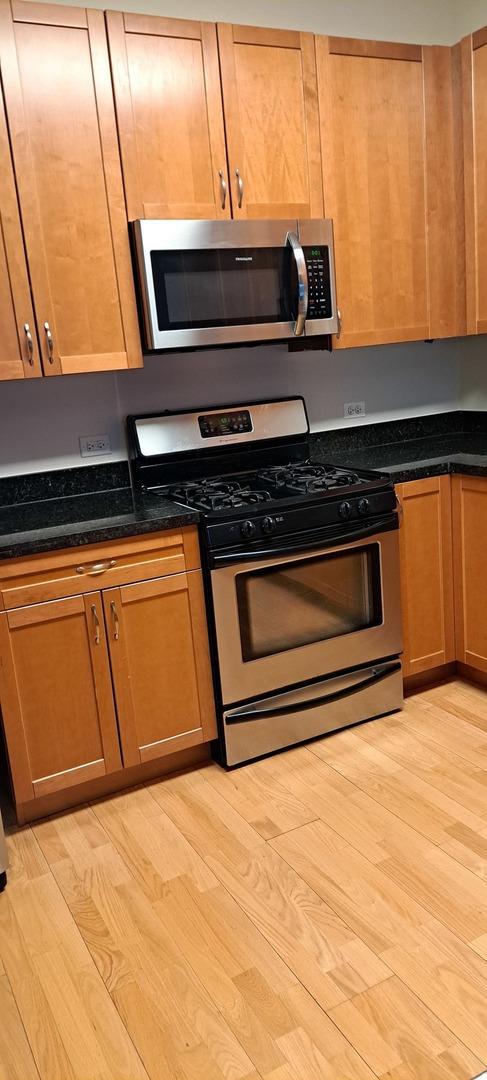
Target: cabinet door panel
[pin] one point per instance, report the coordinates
(391, 134)
(469, 532)
(426, 574)
(160, 665)
(170, 116)
(271, 119)
(56, 77)
(371, 111)
(16, 361)
(56, 695)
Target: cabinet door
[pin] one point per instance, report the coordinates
(469, 553)
(170, 118)
(474, 86)
(19, 351)
(160, 665)
(56, 695)
(425, 541)
(271, 122)
(391, 143)
(56, 78)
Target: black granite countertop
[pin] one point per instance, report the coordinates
(33, 525)
(87, 505)
(410, 449)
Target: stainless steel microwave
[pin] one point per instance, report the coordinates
(222, 282)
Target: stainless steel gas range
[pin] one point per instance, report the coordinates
(301, 565)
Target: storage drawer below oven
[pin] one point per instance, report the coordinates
(285, 719)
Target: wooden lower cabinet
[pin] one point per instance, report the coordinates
(99, 682)
(427, 574)
(470, 567)
(160, 665)
(56, 692)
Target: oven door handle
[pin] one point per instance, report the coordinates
(316, 543)
(378, 675)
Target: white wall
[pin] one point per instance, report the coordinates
(40, 421)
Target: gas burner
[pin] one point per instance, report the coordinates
(307, 478)
(217, 494)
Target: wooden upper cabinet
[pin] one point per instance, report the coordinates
(170, 119)
(160, 664)
(474, 89)
(19, 351)
(56, 78)
(271, 122)
(425, 542)
(390, 134)
(57, 700)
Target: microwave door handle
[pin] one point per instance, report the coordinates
(379, 673)
(302, 272)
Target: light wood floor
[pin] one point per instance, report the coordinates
(320, 915)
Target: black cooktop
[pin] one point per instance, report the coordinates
(290, 481)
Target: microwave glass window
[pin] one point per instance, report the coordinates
(231, 287)
(285, 607)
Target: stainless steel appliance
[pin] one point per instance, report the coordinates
(219, 282)
(301, 563)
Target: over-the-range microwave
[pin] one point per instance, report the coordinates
(209, 283)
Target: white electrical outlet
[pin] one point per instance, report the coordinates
(94, 445)
(351, 409)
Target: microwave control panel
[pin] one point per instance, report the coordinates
(227, 423)
(319, 292)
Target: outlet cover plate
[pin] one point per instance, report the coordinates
(94, 445)
(352, 409)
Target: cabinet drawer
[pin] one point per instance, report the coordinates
(37, 578)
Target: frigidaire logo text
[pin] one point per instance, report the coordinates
(244, 258)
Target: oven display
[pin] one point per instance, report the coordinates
(225, 423)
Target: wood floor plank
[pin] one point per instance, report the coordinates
(390, 1028)
(260, 798)
(16, 1061)
(328, 958)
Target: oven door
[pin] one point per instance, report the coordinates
(212, 282)
(283, 620)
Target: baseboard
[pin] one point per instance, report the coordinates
(432, 677)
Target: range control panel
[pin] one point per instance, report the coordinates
(319, 295)
(225, 423)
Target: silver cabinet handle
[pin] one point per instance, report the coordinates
(96, 567)
(339, 320)
(302, 273)
(116, 623)
(50, 342)
(96, 623)
(30, 344)
(240, 189)
(223, 189)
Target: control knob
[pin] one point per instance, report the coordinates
(268, 525)
(363, 506)
(345, 510)
(247, 529)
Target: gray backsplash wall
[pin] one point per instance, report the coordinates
(41, 420)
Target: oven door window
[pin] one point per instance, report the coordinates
(299, 603)
(224, 287)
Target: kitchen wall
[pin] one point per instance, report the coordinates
(40, 421)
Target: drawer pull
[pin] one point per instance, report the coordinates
(96, 567)
(96, 623)
(116, 623)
